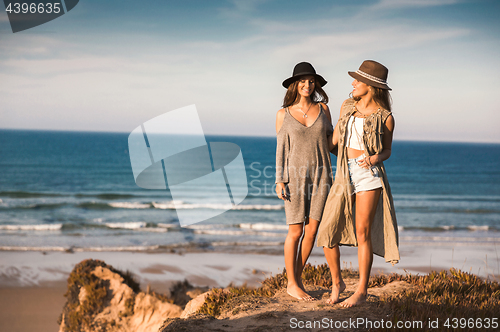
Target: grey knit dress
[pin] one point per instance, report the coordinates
(303, 164)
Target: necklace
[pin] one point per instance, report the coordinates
(305, 114)
(362, 114)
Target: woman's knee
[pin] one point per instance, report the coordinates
(363, 234)
(332, 252)
(328, 249)
(311, 229)
(295, 233)
(310, 234)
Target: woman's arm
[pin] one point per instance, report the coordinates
(327, 112)
(280, 186)
(387, 143)
(334, 139)
(330, 138)
(279, 119)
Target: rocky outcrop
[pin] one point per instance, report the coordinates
(194, 305)
(101, 298)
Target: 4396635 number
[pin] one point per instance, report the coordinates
(33, 8)
(485, 323)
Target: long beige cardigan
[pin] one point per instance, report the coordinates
(338, 222)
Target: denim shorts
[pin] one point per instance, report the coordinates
(362, 179)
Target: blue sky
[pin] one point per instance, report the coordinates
(112, 65)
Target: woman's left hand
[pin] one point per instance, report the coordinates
(367, 162)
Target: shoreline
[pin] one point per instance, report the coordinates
(218, 268)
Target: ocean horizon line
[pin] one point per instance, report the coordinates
(238, 136)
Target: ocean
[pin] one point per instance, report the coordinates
(75, 191)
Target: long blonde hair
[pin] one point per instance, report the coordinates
(382, 97)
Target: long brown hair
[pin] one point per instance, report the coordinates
(292, 96)
(382, 97)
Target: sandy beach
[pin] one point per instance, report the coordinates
(32, 284)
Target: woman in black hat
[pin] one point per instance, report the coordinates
(363, 136)
(303, 167)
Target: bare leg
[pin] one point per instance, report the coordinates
(299, 267)
(291, 246)
(332, 256)
(366, 205)
(306, 245)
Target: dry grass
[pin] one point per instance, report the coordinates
(217, 301)
(443, 295)
(438, 295)
(179, 292)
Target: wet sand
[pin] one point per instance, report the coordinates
(32, 308)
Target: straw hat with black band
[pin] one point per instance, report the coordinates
(303, 69)
(372, 73)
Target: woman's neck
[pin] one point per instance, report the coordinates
(367, 104)
(303, 102)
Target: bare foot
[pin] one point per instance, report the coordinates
(336, 290)
(301, 285)
(354, 300)
(299, 294)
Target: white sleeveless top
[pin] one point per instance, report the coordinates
(355, 133)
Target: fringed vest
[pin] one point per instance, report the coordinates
(338, 222)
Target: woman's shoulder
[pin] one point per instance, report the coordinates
(326, 110)
(280, 118)
(348, 102)
(385, 114)
(347, 106)
(323, 106)
(281, 113)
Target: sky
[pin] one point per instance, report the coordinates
(112, 65)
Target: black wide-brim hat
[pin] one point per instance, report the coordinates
(372, 73)
(303, 69)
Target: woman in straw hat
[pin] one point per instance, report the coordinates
(360, 210)
(303, 167)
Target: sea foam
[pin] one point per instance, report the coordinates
(126, 225)
(263, 226)
(185, 206)
(130, 205)
(40, 227)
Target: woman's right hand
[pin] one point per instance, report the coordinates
(281, 191)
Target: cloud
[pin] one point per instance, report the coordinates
(115, 82)
(396, 4)
(34, 45)
(240, 9)
(324, 38)
(247, 5)
(100, 88)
